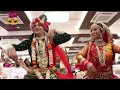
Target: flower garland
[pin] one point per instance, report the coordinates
(34, 53)
(42, 54)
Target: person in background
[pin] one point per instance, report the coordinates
(27, 62)
(98, 55)
(8, 63)
(17, 72)
(2, 54)
(2, 74)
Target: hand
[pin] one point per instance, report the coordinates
(13, 55)
(92, 72)
(21, 63)
(42, 70)
(31, 70)
(36, 71)
(60, 32)
(51, 33)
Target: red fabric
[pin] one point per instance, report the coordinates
(67, 76)
(80, 67)
(92, 54)
(63, 57)
(35, 21)
(65, 61)
(57, 50)
(54, 54)
(45, 25)
(106, 37)
(84, 63)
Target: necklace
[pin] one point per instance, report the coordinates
(41, 53)
(100, 42)
(101, 56)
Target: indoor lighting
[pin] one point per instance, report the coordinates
(57, 16)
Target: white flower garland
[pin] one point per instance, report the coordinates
(41, 52)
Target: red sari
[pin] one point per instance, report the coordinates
(90, 53)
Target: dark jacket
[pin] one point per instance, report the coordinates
(26, 44)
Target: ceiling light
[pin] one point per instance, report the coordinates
(57, 16)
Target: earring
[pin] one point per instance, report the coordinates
(101, 36)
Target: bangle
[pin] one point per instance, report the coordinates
(79, 57)
(86, 63)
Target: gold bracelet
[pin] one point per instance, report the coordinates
(79, 57)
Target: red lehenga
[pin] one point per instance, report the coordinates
(89, 52)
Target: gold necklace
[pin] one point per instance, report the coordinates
(102, 57)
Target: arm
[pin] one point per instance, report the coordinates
(11, 50)
(82, 53)
(58, 37)
(61, 37)
(38, 74)
(24, 45)
(91, 71)
(22, 64)
(81, 57)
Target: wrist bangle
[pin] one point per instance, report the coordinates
(79, 57)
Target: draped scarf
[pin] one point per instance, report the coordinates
(51, 51)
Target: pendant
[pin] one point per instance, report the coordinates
(102, 62)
